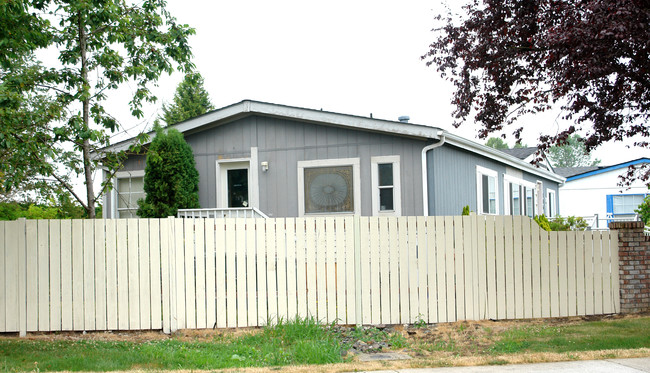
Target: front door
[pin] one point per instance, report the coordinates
(234, 184)
(238, 187)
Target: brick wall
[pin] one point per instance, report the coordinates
(634, 266)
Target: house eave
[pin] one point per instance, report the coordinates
(502, 157)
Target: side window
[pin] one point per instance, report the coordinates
(520, 196)
(487, 196)
(129, 189)
(386, 193)
(552, 208)
(329, 186)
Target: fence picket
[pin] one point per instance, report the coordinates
(240, 274)
(365, 271)
(536, 268)
(341, 248)
(210, 274)
(598, 273)
(563, 273)
(100, 275)
(441, 266)
(451, 300)
(510, 278)
(310, 265)
(301, 268)
(432, 285)
(330, 268)
(271, 281)
(231, 269)
(405, 309)
(281, 267)
(31, 241)
(545, 257)
(77, 275)
(554, 274)
(12, 292)
(375, 259)
(220, 272)
(155, 265)
(459, 264)
(607, 267)
(500, 267)
(384, 270)
(490, 267)
(122, 275)
(422, 259)
(589, 273)
(43, 275)
(251, 290)
(527, 261)
(481, 278)
(350, 271)
(518, 254)
(111, 276)
(571, 273)
(201, 273)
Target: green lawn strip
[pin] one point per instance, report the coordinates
(293, 343)
(587, 336)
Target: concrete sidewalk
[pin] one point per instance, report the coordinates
(587, 366)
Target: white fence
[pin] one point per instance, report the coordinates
(200, 273)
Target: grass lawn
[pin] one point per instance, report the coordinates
(304, 342)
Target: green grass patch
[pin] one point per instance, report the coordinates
(586, 336)
(285, 343)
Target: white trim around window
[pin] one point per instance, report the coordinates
(121, 175)
(524, 188)
(395, 187)
(493, 178)
(356, 183)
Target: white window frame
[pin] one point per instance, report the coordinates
(397, 191)
(114, 195)
(480, 171)
(221, 180)
(551, 197)
(507, 179)
(356, 180)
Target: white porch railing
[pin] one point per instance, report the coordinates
(232, 212)
(602, 223)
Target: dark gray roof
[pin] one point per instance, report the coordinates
(573, 171)
(521, 153)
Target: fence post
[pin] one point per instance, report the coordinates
(171, 254)
(22, 278)
(357, 268)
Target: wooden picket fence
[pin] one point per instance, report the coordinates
(169, 274)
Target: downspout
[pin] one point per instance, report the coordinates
(425, 179)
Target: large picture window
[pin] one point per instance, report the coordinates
(624, 204)
(329, 186)
(487, 196)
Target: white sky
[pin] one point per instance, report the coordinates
(353, 57)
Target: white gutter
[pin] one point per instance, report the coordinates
(425, 179)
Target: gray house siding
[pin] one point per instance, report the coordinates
(283, 143)
(451, 178)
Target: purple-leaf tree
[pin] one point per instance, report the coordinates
(509, 58)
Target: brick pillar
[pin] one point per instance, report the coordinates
(634, 266)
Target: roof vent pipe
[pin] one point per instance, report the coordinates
(404, 118)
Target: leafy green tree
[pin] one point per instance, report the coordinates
(497, 143)
(54, 116)
(644, 210)
(171, 180)
(190, 100)
(571, 154)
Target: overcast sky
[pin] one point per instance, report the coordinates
(353, 57)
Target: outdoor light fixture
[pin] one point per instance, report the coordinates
(265, 166)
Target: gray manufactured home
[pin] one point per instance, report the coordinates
(288, 162)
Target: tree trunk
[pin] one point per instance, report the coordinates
(90, 193)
